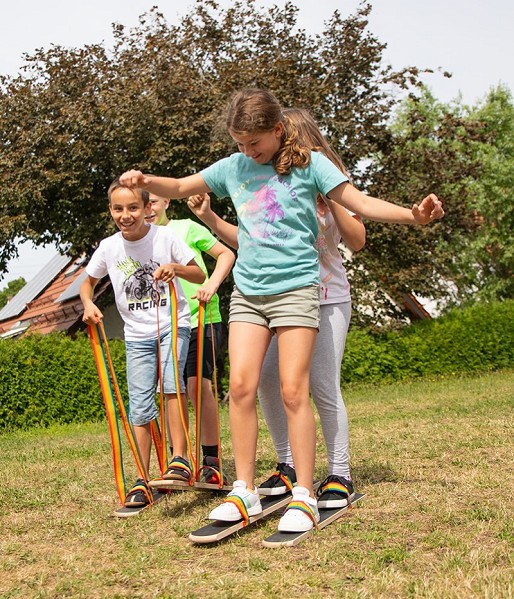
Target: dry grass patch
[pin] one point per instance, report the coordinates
(434, 459)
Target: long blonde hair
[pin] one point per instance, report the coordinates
(310, 136)
(255, 110)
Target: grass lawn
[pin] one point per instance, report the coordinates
(434, 458)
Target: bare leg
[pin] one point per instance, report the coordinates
(175, 427)
(295, 348)
(143, 436)
(247, 346)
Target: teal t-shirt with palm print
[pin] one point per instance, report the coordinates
(277, 224)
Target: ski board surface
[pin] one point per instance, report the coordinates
(128, 512)
(163, 483)
(326, 517)
(218, 529)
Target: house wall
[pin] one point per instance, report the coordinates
(113, 324)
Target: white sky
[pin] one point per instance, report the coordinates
(472, 39)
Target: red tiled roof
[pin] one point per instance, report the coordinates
(46, 315)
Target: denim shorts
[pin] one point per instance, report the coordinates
(142, 373)
(295, 308)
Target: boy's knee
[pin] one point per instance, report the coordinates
(141, 417)
(291, 404)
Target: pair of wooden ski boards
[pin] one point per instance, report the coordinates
(160, 487)
(218, 530)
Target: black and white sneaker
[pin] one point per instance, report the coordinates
(335, 491)
(139, 495)
(211, 471)
(280, 482)
(178, 469)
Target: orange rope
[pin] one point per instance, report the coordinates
(215, 385)
(160, 445)
(200, 344)
(121, 407)
(174, 331)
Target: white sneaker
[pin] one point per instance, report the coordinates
(239, 503)
(301, 514)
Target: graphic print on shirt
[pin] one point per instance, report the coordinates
(261, 215)
(323, 248)
(333, 281)
(141, 290)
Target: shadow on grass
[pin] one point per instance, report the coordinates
(374, 474)
(189, 500)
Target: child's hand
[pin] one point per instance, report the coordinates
(430, 209)
(92, 315)
(199, 204)
(133, 179)
(165, 272)
(205, 293)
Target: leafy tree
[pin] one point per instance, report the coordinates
(76, 118)
(465, 156)
(11, 290)
(431, 151)
(491, 249)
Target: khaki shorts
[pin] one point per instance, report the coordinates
(295, 308)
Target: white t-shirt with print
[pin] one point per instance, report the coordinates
(130, 266)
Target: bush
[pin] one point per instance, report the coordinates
(53, 379)
(478, 338)
(46, 379)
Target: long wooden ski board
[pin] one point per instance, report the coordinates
(326, 517)
(163, 483)
(128, 512)
(218, 529)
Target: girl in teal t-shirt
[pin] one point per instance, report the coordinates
(273, 182)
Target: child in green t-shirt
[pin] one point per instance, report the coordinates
(200, 240)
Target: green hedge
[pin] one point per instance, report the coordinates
(53, 379)
(478, 338)
(46, 379)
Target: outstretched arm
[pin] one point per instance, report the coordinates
(165, 187)
(200, 205)
(379, 210)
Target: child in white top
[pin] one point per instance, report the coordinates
(141, 261)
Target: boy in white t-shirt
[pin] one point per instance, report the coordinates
(141, 261)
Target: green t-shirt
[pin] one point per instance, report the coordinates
(199, 239)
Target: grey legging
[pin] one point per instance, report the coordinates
(325, 389)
